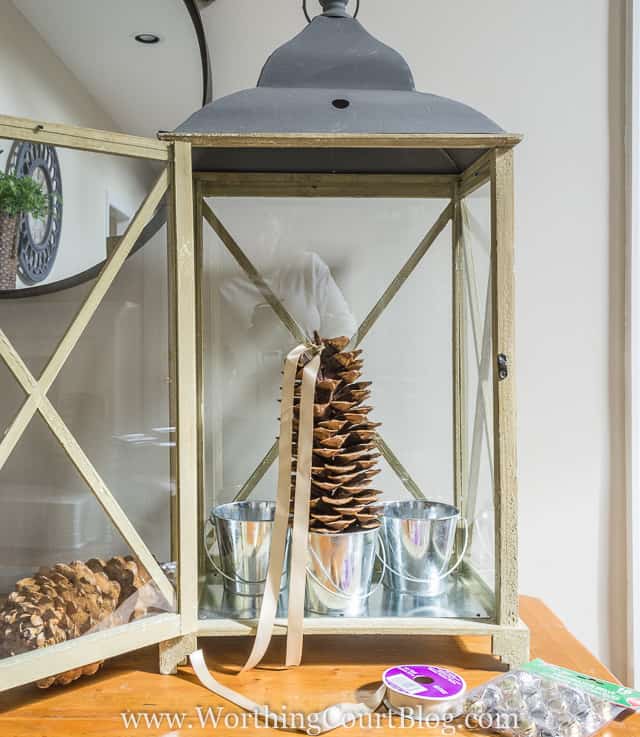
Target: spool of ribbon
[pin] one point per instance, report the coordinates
(424, 691)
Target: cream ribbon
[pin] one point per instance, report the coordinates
(301, 500)
(315, 723)
(281, 521)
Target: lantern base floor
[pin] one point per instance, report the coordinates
(511, 643)
(465, 596)
(466, 608)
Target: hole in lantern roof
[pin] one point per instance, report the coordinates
(147, 38)
(341, 104)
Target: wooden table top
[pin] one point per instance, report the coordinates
(333, 670)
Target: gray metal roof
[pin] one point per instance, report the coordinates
(319, 110)
(335, 77)
(336, 52)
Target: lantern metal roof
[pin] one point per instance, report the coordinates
(335, 79)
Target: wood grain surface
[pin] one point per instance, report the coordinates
(333, 669)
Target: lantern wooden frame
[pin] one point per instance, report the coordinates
(186, 189)
(510, 637)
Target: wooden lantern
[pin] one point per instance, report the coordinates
(336, 115)
(368, 135)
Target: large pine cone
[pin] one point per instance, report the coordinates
(344, 451)
(64, 602)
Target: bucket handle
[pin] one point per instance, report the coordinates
(441, 575)
(237, 579)
(380, 555)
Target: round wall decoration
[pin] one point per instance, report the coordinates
(39, 238)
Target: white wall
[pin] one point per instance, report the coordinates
(553, 72)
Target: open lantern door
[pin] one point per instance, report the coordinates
(88, 456)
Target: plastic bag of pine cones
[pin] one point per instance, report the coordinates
(67, 601)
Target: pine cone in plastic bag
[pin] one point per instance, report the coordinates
(344, 451)
(64, 602)
(131, 577)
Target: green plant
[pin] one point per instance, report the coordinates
(22, 195)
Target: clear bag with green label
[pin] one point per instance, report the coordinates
(544, 700)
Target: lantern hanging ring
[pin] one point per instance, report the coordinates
(309, 18)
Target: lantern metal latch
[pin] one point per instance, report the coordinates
(503, 367)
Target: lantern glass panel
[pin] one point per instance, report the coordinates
(330, 264)
(114, 393)
(112, 396)
(50, 517)
(11, 398)
(93, 196)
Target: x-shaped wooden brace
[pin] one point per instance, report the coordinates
(290, 323)
(37, 400)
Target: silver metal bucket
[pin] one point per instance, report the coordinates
(340, 572)
(243, 532)
(418, 538)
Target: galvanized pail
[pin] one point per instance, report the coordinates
(418, 538)
(243, 531)
(340, 572)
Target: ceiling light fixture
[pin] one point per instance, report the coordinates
(147, 38)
